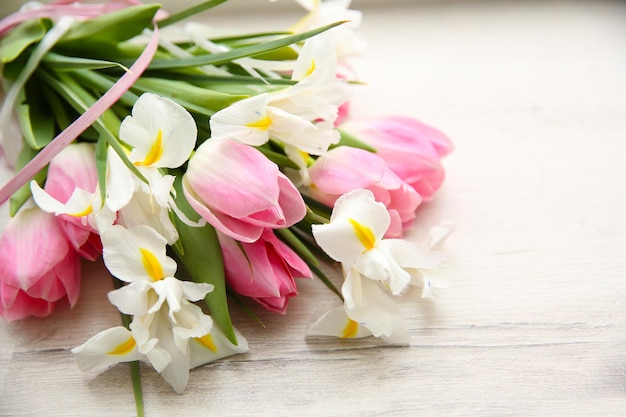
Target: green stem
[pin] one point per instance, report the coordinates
(136, 377)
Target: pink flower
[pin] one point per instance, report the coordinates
(239, 191)
(344, 169)
(265, 272)
(410, 148)
(37, 266)
(75, 167)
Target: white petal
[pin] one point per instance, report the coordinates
(337, 323)
(161, 131)
(245, 121)
(121, 182)
(160, 187)
(375, 264)
(361, 206)
(141, 210)
(437, 234)
(215, 346)
(339, 241)
(124, 253)
(297, 131)
(132, 298)
(410, 255)
(189, 322)
(196, 291)
(106, 349)
(357, 223)
(375, 310)
(44, 200)
(434, 279)
(317, 61)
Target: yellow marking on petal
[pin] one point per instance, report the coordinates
(350, 330)
(155, 152)
(364, 233)
(124, 348)
(207, 341)
(85, 212)
(262, 124)
(311, 69)
(151, 264)
(306, 158)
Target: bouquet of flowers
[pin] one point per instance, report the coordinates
(204, 168)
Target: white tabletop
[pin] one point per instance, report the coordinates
(533, 93)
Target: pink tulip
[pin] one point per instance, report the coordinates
(37, 266)
(75, 167)
(265, 272)
(239, 191)
(410, 148)
(344, 169)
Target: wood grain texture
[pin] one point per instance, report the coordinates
(533, 94)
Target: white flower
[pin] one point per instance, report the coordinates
(118, 344)
(372, 265)
(301, 116)
(354, 237)
(167, 330)
(161, 132)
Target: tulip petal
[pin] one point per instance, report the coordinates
(233, 178)
(341, 170)
(31, 245)
(15, 304)
(230, 226)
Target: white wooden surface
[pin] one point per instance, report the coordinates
(534, 96)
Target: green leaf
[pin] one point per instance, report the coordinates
(99, 82)
(109, 28)
(201, 256)
(35, 120)
(347, 139)
(205, 80)
(66, 63)
(196, 99)
(21, 37)
(57, 107)
(23, 194)
(225, 57)
(191, 11)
